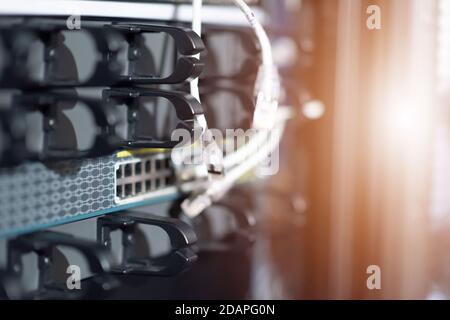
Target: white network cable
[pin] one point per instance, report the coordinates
(265, 117)
(197, 204)
(267, 85)
(212, 155)
(197, 28)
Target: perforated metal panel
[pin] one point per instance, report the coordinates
(36, 194)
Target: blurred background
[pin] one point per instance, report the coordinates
(366, 163)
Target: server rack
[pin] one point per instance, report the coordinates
(82, 169)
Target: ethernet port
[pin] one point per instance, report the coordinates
(148, 166)
(128, 170)
(128, 190)
(158, 164)
(148, 185)
(119, 172)
(138, 168)
(119, 190)
(138, 187)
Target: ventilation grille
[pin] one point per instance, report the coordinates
(137, 177)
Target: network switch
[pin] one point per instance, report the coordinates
(35, 196)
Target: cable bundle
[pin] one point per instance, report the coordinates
(268, 122)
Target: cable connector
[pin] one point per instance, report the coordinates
(199, 201)
(195, 205)
(212, 154)
(267, 91)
